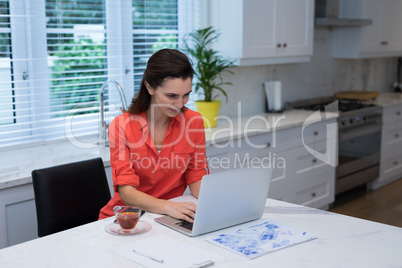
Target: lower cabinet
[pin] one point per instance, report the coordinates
(317, 191)
(17, 215)
(299, 176)
(391, 147)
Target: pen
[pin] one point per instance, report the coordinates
(203, 265)
(147, 256)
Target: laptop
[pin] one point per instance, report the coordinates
(226, 199)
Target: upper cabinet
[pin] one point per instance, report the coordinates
(381, 39)
(257, 32)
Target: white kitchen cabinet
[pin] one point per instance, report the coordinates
(316, 191)
(17, 215)
(298, 176)
(391, 146)
(271, 157)
(310, 178)
(381, 39)
(392, 114)
(256, 32)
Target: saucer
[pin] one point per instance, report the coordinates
(115, 229)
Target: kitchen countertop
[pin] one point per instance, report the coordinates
(388, 99)
(342, 241)
(18, 163)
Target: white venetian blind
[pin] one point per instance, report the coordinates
(76, 45)
(155, 26)
(77, 57)
(6, 90)
(55, 55)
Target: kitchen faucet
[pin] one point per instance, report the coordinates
(103, 125)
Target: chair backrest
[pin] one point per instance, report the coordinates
(69, 195)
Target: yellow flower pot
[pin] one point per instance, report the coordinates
(209, 112)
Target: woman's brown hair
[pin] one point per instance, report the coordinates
(165, 63)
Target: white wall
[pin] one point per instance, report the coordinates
(322, 76)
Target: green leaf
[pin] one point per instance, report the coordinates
(209, 65)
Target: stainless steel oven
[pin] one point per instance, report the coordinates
(359, 127)
(358, 148)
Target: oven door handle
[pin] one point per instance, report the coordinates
(360, 131)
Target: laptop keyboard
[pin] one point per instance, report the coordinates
(185, 224)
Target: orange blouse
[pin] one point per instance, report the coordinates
(135, 160)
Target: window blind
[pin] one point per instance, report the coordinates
(6, 91)
(155, 26)
(55, 55)
(76, 44)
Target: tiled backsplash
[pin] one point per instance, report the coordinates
(322, 76)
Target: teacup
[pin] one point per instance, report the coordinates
(127, 217)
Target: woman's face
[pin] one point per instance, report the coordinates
(171, 96)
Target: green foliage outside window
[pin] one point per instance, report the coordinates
(165, 41)
(75, 79)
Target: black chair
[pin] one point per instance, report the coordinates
(69, 195)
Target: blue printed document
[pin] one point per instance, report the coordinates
(260, 238)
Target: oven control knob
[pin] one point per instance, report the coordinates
(343, 123)
(351, 121)
(364, 118)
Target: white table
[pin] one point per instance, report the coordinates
(342, 242)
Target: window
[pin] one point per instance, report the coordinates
(55, 56)
(76, 44)
(6, 90)
(155, 26)
(77, 62)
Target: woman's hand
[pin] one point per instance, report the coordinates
(181, 210)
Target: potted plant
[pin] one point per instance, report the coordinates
(209, 66)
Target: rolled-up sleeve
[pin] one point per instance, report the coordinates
(198, 165)
(122, 170)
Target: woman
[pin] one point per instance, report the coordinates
(157, 147)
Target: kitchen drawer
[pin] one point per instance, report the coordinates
(306, 164)
(317, 191)
(250, 142)
(392, 136)
(219, 148)
(274, 141)
(391, 167)
(318, 132)
(281, 140)
(392, 113)
(266, 158)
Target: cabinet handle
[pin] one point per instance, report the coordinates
(278, 45)
(268, 145)
(285, 45)
(313, 194)
(314, 160)
(384, 43)
(315, 133)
